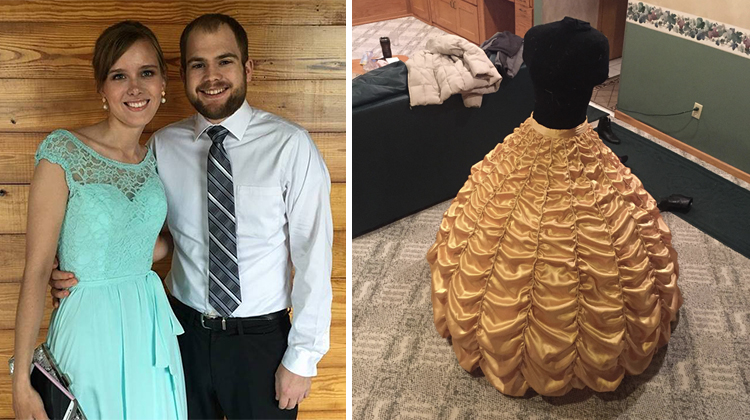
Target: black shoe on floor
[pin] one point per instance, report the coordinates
(605, 131)
(676, 203)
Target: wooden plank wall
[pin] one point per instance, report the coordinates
(46, 80)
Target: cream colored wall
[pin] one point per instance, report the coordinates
(586, 10)
(733, 12)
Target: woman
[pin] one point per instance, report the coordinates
(97, 202)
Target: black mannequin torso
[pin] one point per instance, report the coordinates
(566, 59)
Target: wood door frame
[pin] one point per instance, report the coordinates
(611, 22)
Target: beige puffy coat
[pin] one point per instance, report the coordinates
(450, 65)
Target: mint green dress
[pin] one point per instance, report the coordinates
(115, 336)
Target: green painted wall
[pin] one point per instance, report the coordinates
(663, 74)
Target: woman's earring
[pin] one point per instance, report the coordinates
(104, 100)
(163, 97)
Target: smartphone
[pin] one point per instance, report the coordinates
(385, 46)
(59, 403)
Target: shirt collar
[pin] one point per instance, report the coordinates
(236, 123)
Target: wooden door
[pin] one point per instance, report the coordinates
(468, 21)
(612, 15)
(421, 9)
(444, 14)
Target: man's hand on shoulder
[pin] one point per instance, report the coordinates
(291, 388)
(60, 281)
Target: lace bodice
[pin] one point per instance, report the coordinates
(114, 212)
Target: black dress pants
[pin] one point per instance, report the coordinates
(232, 373)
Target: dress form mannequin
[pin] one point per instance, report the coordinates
(553, 268)
(566, 59)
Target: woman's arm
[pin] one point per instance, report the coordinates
(47, 202)
(164, 245)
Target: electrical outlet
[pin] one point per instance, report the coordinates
(697, 110)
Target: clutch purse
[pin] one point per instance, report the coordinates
(52, 385)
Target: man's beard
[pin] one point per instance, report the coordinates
(232, 104)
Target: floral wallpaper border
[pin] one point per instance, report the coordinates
(704, 31)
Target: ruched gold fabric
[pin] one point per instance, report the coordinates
(553, 268)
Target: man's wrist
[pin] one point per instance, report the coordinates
(300, 362)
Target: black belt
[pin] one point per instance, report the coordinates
(219, 323)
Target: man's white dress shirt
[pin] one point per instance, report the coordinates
(282, 206)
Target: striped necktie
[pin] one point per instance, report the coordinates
(224, 280)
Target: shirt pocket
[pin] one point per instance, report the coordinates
(260, 210)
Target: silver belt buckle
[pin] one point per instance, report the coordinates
(223, 321)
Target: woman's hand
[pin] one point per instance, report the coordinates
(27, 404)
(163, 245)
(60, 282)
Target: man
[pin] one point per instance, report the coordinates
(249, 199)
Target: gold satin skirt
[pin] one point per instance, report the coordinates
(553, 268)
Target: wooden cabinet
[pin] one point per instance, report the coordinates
(468, 21)
(524, 17)
(443, 14)
(366, 11)
(477, 20)
(457, 16)
(421, 9)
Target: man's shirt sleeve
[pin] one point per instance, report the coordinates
(308, 210)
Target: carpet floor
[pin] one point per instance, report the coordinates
(720, 207)
(402, 368)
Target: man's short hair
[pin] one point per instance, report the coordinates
(211, 23)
